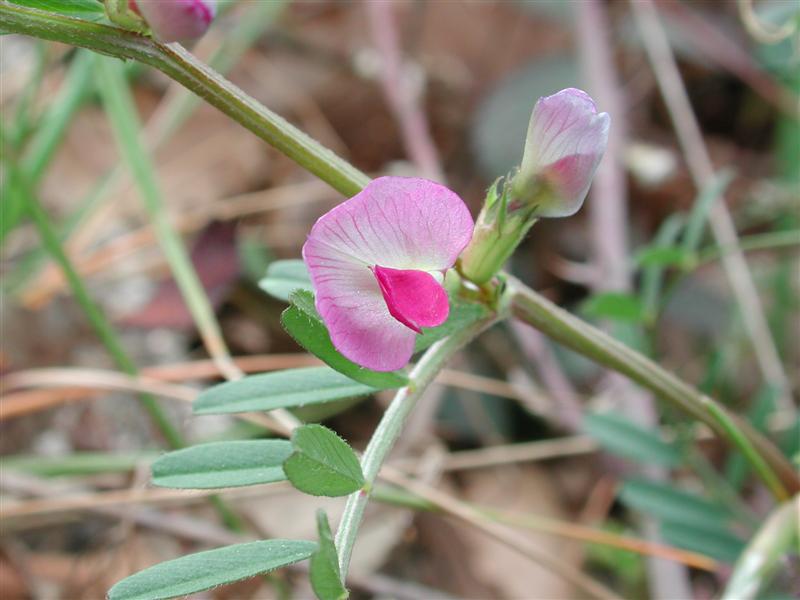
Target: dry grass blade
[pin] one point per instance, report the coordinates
(491, 456)
(19, 403)
(97, 378)
(39, 507)
(598, 536)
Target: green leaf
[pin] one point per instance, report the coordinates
(687, 520)
(87, 9)
(223, 464)
(282, 389)
(322, 463)
(614, 305)
(304, 324)
(720, 544)
(662, 256)
(205, 570)
(670, 504)
(284, 277)
(462, 314)
(326, 579)
(621, 436)
(12, 208)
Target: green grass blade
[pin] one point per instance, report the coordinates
(124, 120)
(48, 136)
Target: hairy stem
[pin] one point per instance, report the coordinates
(389, 428)
(183, 67)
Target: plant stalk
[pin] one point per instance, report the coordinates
(183, 67)
(389, 428)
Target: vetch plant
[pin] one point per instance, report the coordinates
(396, 270)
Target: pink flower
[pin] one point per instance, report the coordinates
(566, 140)
(176, 20)
(377, 262)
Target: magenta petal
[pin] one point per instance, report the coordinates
(414, 298)
(398, 223)
(350, 302)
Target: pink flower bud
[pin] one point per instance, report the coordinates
(176, 20)
(566, 140)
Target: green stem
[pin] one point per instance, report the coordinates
(173, 112)
(761, 241)
(184, 68)
(389, 428)
(567, 329)
(97, 318)
(122, 113)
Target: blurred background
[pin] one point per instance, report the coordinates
(587, 466)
